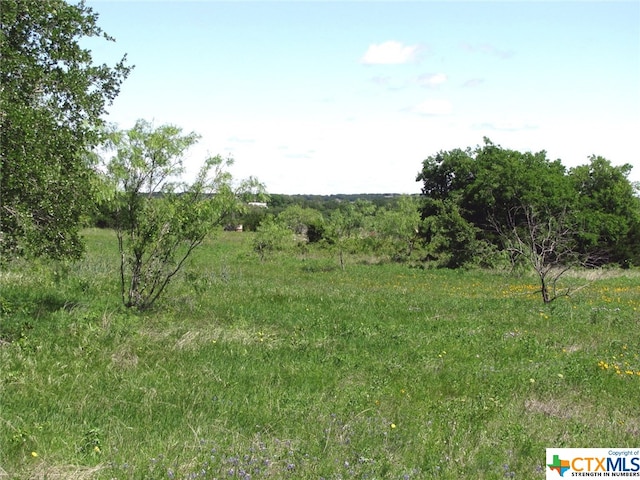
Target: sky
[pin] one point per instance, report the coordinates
(328, 97)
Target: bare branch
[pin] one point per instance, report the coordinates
(547, 243)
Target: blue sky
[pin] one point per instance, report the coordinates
(351, 97)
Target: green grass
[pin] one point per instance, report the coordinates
(292, 368)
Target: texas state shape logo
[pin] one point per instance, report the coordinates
(560, 466)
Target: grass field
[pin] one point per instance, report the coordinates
(292, 368)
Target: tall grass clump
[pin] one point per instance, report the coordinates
(293, 368)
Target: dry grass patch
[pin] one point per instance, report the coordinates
(62, 472)
(595, 274)
(124, 359)
(553, 408)
(245, 336)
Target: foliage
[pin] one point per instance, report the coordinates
(325, 204)
(480, 195)
(347, 226)
(294, 225)
(352, 227)
(250, 218)
(398, 228)
(304, 221)
(607, 211)
(272, 235)
(52, 96)
(160, 221)
(451, 240)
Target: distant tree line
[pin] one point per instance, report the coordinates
(352, 226)
(252, 216)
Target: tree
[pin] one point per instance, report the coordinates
(607, 211)
(451, 241)
(272, 235)
(446, 173)
(505, 179)
(347, 225)
(52, 98)
(399, 227)
(304, 221)
(523, 202)
(546, 242)
(159, 220)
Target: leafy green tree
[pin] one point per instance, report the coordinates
(348, 225)
(159, 220)
(398, 227)
(589, 215)
(52, 97)
(489, 181)
(451, 241)
(272, 235)
(480, 193)
(506, 179)
(446, 173)
(607, 211)
(303, 221)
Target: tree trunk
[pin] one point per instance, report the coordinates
(544, 289)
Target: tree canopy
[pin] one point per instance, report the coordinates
(52, 97)
(487, 191)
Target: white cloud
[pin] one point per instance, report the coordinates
(434, 107)
(432, 80)
(388, 53)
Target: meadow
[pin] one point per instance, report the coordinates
(293, 368)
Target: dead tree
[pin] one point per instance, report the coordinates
(546, 242)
